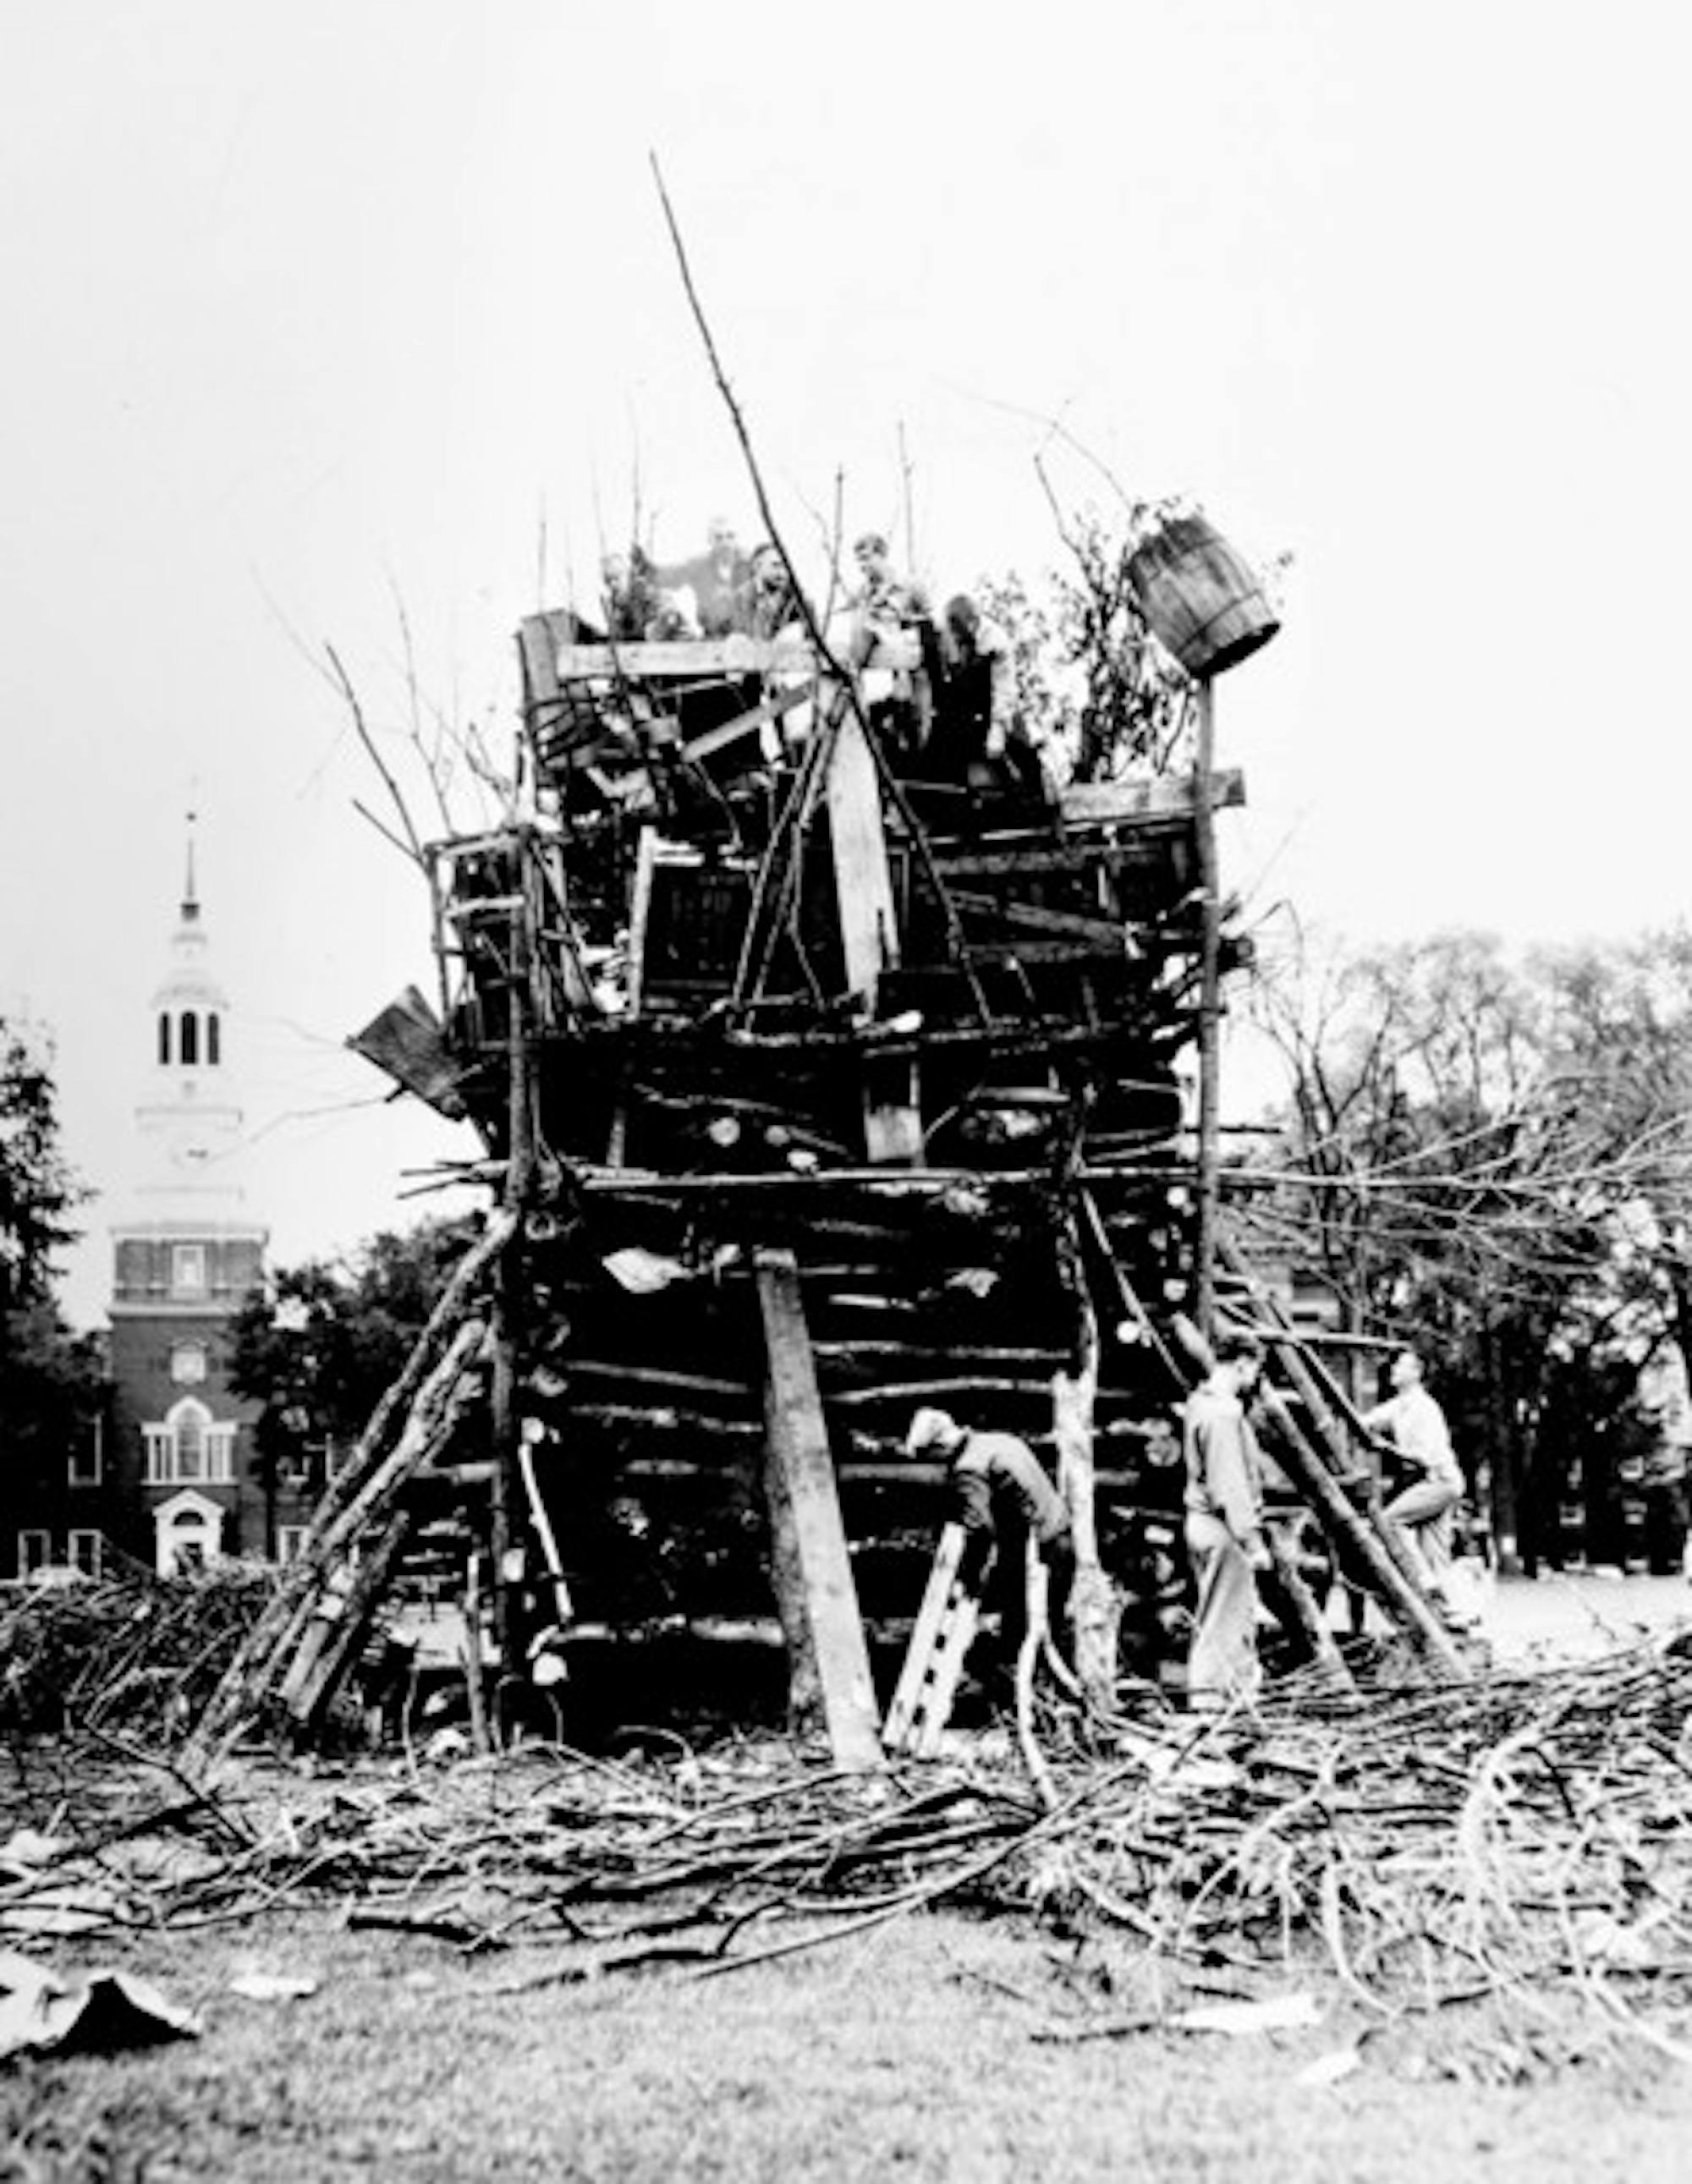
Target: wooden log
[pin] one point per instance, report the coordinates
(1324, 1646)
(332, 1639)
(815, 1590)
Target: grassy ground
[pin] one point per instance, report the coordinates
(935, 2048)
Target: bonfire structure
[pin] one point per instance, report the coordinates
(814, 1088)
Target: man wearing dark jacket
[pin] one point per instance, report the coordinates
(1002, 1498)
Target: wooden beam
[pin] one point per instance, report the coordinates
(1029, 917)
(815, 1590)
(1164, 796)
(863, 886)
(870, 937)
(684, 656)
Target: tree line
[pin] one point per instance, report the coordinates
(1488, 1154)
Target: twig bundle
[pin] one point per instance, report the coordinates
(1523, 1836)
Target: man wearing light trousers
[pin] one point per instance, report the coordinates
(1225, 1536)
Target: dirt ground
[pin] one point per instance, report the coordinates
(939, 2045)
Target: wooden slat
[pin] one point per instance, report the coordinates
(1030, 917)
(939, 1643)
(869, 939)
(806, 1501)
(1116, 802)
(686, 656)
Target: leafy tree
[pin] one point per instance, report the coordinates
(1091, 679)
(1482, 1165)
(50, 1381)
(51, 1386)
(38, 1192)
(1621, 1020)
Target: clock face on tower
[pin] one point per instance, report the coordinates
(188, 1364)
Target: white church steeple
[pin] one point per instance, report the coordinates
(190, 1112)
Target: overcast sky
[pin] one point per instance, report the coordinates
(329, 321)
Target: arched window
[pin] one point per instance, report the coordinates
(189, 1447)
(211, 1040)
(190, 1036)
(164, 1035)
(190, 1419)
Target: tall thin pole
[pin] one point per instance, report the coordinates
(1210, 1014)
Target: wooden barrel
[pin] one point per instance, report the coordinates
(1203, 601)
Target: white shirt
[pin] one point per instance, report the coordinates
(1419, 1432)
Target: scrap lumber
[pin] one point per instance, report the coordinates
(945, 1630)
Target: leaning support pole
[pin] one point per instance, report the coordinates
(371, 1529)
(1324, 1646)
(230, 1705)
(1210, 1014)
(1331, 1411)
(1095, 1609)
(1349, 1532)
(1352, 1533)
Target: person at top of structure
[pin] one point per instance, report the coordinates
(769, 603)
(1224, 1526)
(1424, 1510)
(885, 605)
(974, 727)
(719, 580)
(629, 592)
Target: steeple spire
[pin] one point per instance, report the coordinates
(191, 905)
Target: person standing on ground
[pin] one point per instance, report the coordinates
(1423, 1511)
(1000, 1496)
(1224, 1536)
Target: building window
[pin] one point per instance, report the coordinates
(188, 1269)
(34, 1551)
(211, 1039)
(190, 1037)
(189, 1448)
(86, 1551)
(164, 1035)
(291, 1541)
(188, 1364)
(87, 1454)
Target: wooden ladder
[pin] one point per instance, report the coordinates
(928, 1683)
